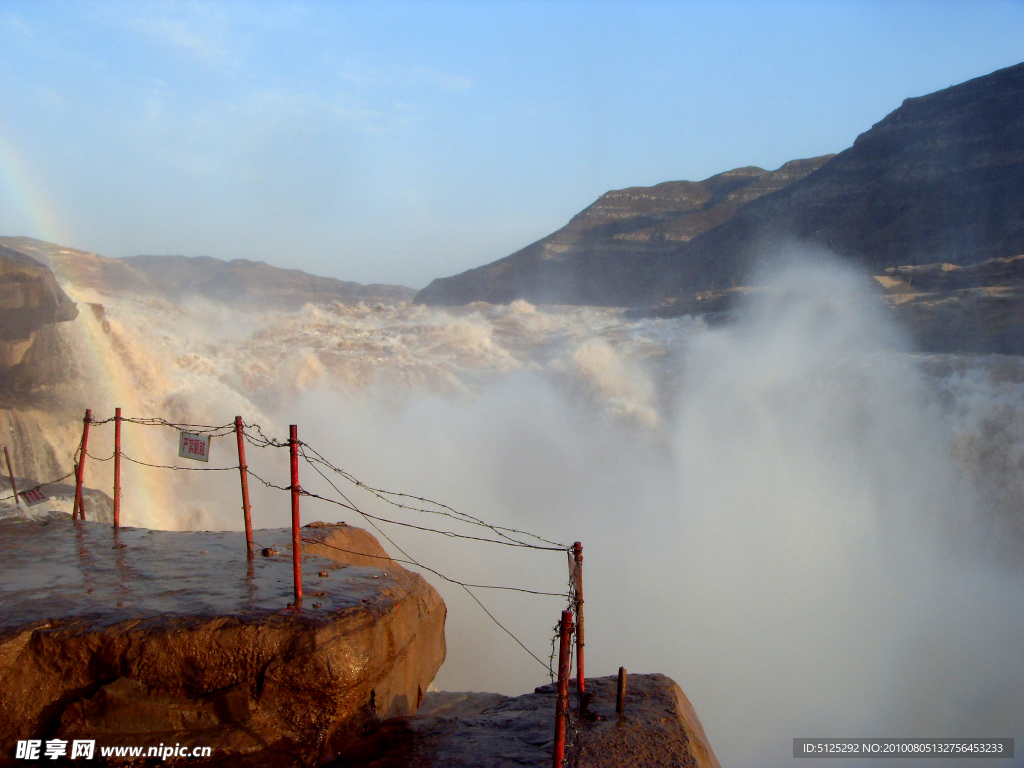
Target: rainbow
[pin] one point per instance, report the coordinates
(23, 200)
(145, 498)
(26, 205)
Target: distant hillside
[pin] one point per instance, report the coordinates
(240, 282)
(941, 179)
(594, 258)
(255, 282)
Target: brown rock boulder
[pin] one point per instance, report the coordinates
(346, 544)
(161, 637)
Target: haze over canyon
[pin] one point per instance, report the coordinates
(784, 411)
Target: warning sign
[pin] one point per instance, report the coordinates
(33, 497)
(195, 447)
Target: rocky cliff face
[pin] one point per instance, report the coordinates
(944, 307)
(145, 637)
(31, 302)
(594, 258)
(238, 282)
(947, 308)
(941, 179)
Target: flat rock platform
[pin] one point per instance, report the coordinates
(143, 637)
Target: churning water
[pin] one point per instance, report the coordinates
(814, 530)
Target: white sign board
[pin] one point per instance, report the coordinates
(33, 497)
(195, 447)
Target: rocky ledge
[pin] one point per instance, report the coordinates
(948, 308)
(659, 729)
(945, 308)
(31, 303)
(146, 637)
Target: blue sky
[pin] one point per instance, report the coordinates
(398, 142)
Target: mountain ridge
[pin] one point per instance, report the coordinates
(239, 281)
(940, 179)
(621, 226)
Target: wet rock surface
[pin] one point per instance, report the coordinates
(659, 728)
(147, 637)
(458, 703)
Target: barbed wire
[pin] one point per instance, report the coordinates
(126, 457)
(444, 509)
(260, 439)
(196, 429)
(266, 482)
(351, 505)
(556, 633)
(263, 441)
(415, 562)
(449, 534)
(437, 573)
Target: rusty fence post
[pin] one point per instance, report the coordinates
(10, 474)
(562, 692)
(243, 471)
(293, 446)
(78, 510)
(620, 696)
(577, 553)
(117, 468)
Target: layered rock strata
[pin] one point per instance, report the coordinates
(948, 308)
(156, 637)
(594, 258)
(941, 179)
(943, 307)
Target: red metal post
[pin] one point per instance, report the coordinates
(620, 694)
(10, 474)
(562, 693)
(78, 509)
(293, 446)
(243, 470)
(577, 553)
(117, 468)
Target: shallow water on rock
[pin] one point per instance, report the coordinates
(57, 569)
